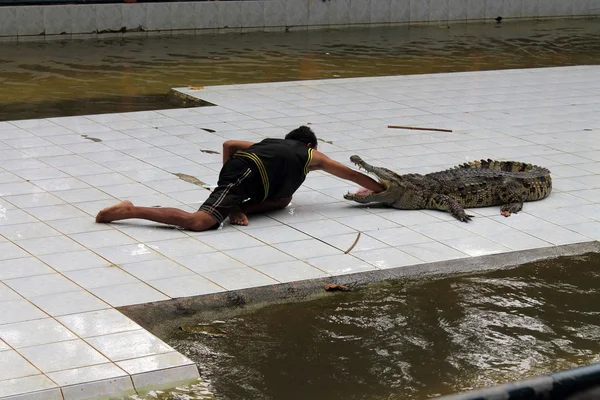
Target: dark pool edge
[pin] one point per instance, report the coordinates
(581, 383)
(158, 316)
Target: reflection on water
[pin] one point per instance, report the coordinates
(116, 75)
(411, 339)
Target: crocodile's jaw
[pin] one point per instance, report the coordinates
(381, 197)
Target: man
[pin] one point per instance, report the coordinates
(255, 178)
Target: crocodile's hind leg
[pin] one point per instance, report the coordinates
(447, 203)
(513, 194)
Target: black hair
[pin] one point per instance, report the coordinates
(303, 134)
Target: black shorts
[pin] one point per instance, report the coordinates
(238, 183)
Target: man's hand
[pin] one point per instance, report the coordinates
(321, 162)
(230, 147)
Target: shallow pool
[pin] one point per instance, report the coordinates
(410, 339)
(77, 77)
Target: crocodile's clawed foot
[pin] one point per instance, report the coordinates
(466, 217)
(508, 209)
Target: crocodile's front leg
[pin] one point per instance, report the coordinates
(447, 203)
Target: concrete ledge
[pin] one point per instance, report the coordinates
(158, 317)
(197, 17)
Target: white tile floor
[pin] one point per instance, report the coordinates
(61, 275)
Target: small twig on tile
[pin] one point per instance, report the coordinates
(418, 129)
(353, 244)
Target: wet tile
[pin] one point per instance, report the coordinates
(40, 285)
(17, 188)
(77, 225)
(476, 246)
(12, 365)
(83, 194)
(441, 231)
(19, 310)
(154, 362)
(96, 323)
(230, 241)
(22, 267)
(180, 247)
(49, 245)
(10, 251)
(100, 277)
(276, 234)
(398, 236)
(63, 355)
(60, 184)
(322, 228)
(232, 279)
(253, 256)
(11, 216)
(50, 213)
(33, 333)
(128, 294)
(128, 253)
(557, 235)
(105, 238)
(304, 249)
(151, 233)
(69, 261)
(156, 269)
(68, 303)
(367, 222)
(43, 387)
(291, 271)
(34, 200)
(7, 293)
(185, 286)
(102, 379)
(432, 252)
(27, 231)
(387, 258)
(207, 262)
(364, 242)
(340, 264)
(131, 344)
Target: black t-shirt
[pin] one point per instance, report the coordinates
(281, 163)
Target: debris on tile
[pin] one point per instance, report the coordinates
(332, 287)
(93, 139)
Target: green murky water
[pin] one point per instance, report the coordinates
(58, 78)
(408, 340)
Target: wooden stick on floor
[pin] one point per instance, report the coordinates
(418, 129)
(353, 244)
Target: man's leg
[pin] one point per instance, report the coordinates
(239, 216)
(198, 221)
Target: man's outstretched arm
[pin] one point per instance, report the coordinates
(231, 146)
(321, 162)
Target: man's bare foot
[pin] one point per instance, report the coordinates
(237, 217)
(112, 213)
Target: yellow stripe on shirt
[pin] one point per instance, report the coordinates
(261, 169)
(308, 161)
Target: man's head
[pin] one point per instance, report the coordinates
(305, 135)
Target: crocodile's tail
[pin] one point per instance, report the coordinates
(506, 166)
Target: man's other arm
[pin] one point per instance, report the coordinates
(321, 162)
(231, 146)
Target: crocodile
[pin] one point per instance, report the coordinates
(474, 184)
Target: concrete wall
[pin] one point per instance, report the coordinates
(143, 19)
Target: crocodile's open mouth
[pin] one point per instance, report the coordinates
(364, 192)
